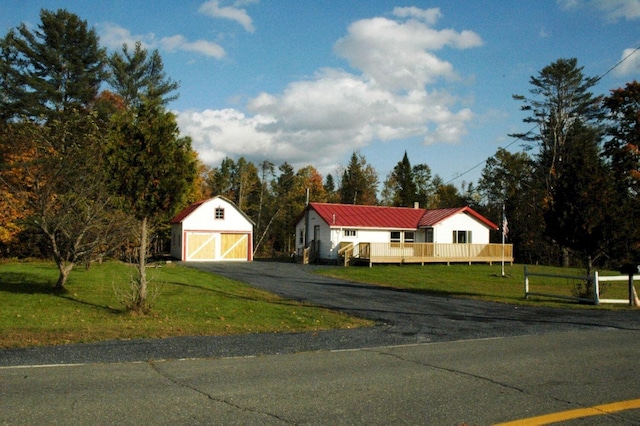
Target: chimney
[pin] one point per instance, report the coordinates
(416, 205)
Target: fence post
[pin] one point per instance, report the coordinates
(596, 288)
(526, 282)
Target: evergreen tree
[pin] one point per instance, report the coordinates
(152, 168)
(58, 67)
(506, 181)
(406, 190)
(137, 75)
(622, 150)
(359, 182)
(561, 99)
(575, 214)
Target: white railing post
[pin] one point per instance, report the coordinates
(526, 282)
(596, 289)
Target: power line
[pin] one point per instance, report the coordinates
(469, 170)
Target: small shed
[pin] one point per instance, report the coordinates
(212, 230)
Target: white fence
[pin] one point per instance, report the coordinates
(595, 278)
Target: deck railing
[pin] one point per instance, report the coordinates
(428, 253)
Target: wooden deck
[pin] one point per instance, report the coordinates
(424, 253)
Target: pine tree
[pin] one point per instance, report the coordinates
(57, 68)
(564, 112)
(359, 183)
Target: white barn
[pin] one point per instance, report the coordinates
(212, 230)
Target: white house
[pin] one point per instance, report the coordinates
(212, 230)
(394, 233)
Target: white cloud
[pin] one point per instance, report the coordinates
(630, 64)
(320, 120)
(430, 16)
(114, 36)
(233, 13)
(399, 55)
(614, 9)
(179, 42)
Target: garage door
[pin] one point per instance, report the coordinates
(234, 247)
(201, 245)
(207, 246)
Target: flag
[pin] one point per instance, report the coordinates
(505, 226)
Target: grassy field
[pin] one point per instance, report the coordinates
(188, 302)
(479, 281)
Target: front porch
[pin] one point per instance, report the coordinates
(422, 253)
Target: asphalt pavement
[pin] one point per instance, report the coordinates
(402, 318)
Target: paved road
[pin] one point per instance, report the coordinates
(475, 382)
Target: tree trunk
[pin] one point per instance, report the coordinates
(142, 266)
(565, 257)
(65, 269)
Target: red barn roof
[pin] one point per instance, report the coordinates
(357, 216)
(186, 212)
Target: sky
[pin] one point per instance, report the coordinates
(311, 82)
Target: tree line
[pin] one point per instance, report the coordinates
(92, 163)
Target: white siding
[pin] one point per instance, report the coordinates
(443, 231)
(203, 218)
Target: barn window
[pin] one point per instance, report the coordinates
(219, 213)
(350, 232)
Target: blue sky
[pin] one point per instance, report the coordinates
(309, 82)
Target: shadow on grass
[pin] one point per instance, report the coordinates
(286, 302)
(93, 305)
(23, 283)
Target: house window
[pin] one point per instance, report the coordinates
(395, 236)
(409, 237)
(462, 237)
(350, 233)
(301, 241)
(219, 213)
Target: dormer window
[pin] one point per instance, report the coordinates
(219, 215)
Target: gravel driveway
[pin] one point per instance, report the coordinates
(402, 317)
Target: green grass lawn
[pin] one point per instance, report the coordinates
(188, 302)
(478, 281)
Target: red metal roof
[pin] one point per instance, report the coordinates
(351, 215)
(186, 212)
(433, 217)
(357, 216)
